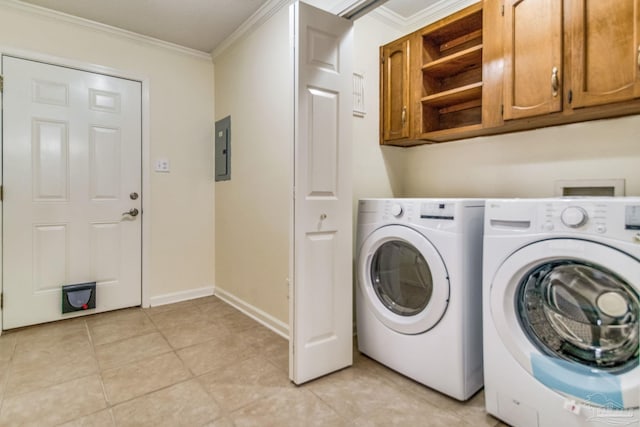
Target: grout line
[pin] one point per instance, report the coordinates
(95, 358)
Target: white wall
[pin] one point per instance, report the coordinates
(180, 123)
(526, 164)
(254, 84)
(377, 170)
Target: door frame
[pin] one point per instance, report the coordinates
(145, 166)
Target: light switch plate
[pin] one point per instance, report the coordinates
(162, 165)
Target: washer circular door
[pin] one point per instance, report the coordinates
(403, 279)
(568, 311)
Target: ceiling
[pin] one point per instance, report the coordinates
(196, 24)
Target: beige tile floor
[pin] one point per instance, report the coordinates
(197, 363)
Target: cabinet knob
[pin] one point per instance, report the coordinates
(555, 82)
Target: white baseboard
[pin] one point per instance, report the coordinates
(277, 326)
(206, 291)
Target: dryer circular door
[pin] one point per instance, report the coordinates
(568, 311)
(403, 279)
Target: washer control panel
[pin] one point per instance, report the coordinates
(610, 217)
(582, 216)
(594, 216)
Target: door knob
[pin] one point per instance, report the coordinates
(133, 196)
(132, 212)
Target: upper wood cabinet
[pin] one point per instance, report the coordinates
(599, 65)
(395, 103)
(532, 57)
(431, 81)
(604, 51)
(507, 65)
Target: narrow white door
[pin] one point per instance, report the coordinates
(72, 173)
(321, 320)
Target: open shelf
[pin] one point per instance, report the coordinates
(455, 64)
(455, 96)
(451, 75)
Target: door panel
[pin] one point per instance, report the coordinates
(50, 155)
(321, 322)
(104, 157)
(71, 157)
(533, 58)
(50, 256)
(323, 143)
(395, 90)
(605, 51)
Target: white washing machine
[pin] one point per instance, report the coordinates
(419, 291)
(561, 307)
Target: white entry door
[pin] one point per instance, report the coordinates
(71, 159)
(321, 320)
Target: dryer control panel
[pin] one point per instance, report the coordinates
(437, 210)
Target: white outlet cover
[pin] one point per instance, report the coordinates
(162, 165)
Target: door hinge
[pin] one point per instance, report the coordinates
(570, 96)
(1, 84)
(1, 193)
(502, 110)
(382, 59)
(502, 10)
(1, 300)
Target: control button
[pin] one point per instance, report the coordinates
(601, 228)
(547, 226)
(574, 217)
(396, 210)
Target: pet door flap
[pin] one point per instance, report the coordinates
(81, 296)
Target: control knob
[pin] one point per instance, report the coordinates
(574, 217)
(396, 210)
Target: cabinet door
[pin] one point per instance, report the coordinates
(605, 51)
(533, 57)
(395, 90)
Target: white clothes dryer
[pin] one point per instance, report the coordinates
(419, 289)
(561, 315)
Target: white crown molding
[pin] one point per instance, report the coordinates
(431, 14)
(65, 17)
(345, 7)
(259, 17)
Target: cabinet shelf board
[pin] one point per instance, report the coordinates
(454, 96)
(460, 107)
(453, 64)
(474, 35)
(453, 133)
